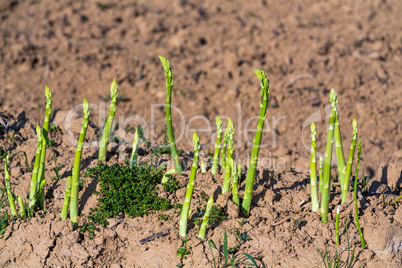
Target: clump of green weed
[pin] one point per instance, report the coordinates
(124, 189)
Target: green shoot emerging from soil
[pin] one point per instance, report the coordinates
(10, 194)
(359, 152)
(139, 133)
(124, 190)
(190, 188)
(204, 224)
(313, 170)
(229, 156)
(346, 182)
(109, 122)
(248, 191)
(77, 165)
(169, 83)
(215, 161)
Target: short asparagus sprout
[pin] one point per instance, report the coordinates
(139, 133)
(21, 204)
(226, 137)
(339, 149)
(33, 191)
(45, 131)
(190, 188)
(205, 220)
(313, 170)
(215, 161)
(203, 167)
(236, 172)
(337, 227)
(169, 82)
(166, 176)
(345, 185)
(359, 152)
(10, 194)
(248, 191)
(66, 203)
(320, 174)
(109, 121)
(229, 156)
(77, 164)
(328, 158)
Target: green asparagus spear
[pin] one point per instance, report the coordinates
(346, 182)
(215, 161)
(137, 136)
(35, 170)
(169, 83)
(190, 188)
(205, 220)
(109, 122)
(359, 152)
(229, 156)
(248, 192)
(320, 174)
(339, 149)
(328, 158)
(337, 227)
(21, 204)
(8, 189)
(236, 173)
(66, 203)
(77, 165)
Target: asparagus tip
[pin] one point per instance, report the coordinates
(354, 127)
(113, 90)
(313, 131)
(48, 93)
(218, 122)
(166, 66)
(333, 97)
(263, 80)
(85, 106)
(196, 141)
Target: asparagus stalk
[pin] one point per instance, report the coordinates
(229, 156)
(166, 176)
(137, 136)
(313, 170)
(203, 167)
(320, 171)
(169, 83)
(248, 192)
(66, 203)
(109, 122)
(34, 178)
(345, 185)
(8, 189)
(339, 149)
(236, 172)
(215, 161)
(337, 227)
(21, 204)
(205, 220)
(77, 164)
(45, 132)
(190, 187)
(226, 137)
(328, 158)
(359, 152)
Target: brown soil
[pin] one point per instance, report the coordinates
(77, 48)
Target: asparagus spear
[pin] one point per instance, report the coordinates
(66, 203)
(313, 170)
(137, 136)
(236, 173)
(109, 122)
(215, 161)
(337, 227)
(229, 156)
(77, 164)
(339, 149)
(190, 187)
(203, 167)
(166, 176)
(205, 220)
(359, 152)
(328, 158)
(248, 192)
(226, 137)
(45, 131)
(346, 182)
(320, 174)
(169, 83)
(8, 188)
(21, 204)
(34, 178)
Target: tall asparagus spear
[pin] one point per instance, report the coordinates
(346, 182)
(8, 189)
(320, 174)
(169, 83)
(45, 131)
(137, 136)
(328, 158)
(313, 170)
(215, 161)
(229, 156)
(248, 192)
(236, 173)
(190, 187)
(35, 170)
(205, 220)
(226, 137)
(359, 152)
(77, 165)
(109, 122)
(66, 202)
